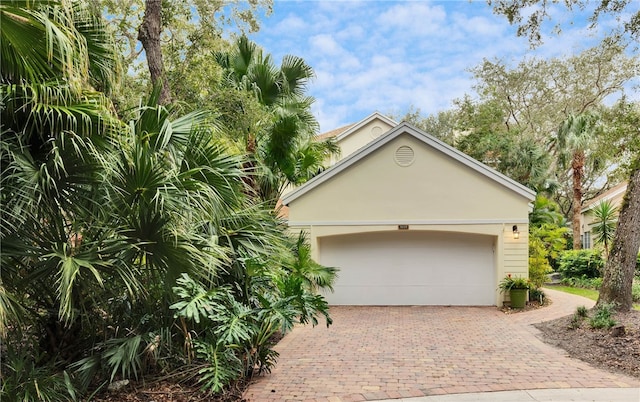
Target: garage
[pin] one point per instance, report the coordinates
(409, 220)
(411, 268)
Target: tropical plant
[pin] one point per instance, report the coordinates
(510, 282)
(54, 129)
(108, 228)
(57, 130)
(547, 239)
(604, 224)
(26, 381)
(546, 211)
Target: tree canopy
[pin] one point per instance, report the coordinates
(531, 15)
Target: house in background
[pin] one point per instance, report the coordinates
(355, 136)
(614, 195)
(410, 220)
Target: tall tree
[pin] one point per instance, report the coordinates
(149, 35)
(171, 32)
(537, 95)
(573, 140)
(619, 269)
(442, 125)
(620, 266)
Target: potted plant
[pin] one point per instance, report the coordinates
(517, 288)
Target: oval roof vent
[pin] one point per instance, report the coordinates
(376, 131)
(404, 155)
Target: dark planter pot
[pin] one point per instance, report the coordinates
(518, 298)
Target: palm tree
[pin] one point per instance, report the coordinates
(282, 147)
(574, 137)
(529, 164)
(94, 209)
(604, 225)
(54, 126)
(544, 212)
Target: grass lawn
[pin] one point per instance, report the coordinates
(588, 293)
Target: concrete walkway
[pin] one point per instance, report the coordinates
(379, 353)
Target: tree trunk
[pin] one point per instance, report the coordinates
(249, 166)
(621, 264)
(149, 35)
(577, 166)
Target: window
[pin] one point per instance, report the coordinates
(586, 242)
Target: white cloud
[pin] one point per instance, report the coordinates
(292, 23)
(389, 55)
(412, 18)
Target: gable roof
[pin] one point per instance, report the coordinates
(355, 127)
(607, 195)
(406, 128)
(334, 133)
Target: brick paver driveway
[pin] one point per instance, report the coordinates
(372, 353)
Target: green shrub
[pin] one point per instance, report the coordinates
(602, 317)
(577, 317)
(581, 263)
(638, 266)
(582, 311)
(635, 290)
(584, 282)
(539, 265)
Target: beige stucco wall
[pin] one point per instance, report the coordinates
(434, 187)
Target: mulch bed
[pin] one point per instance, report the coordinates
(530, 305)
(599, 347)
(167, 391)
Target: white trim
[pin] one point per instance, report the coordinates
(405, 128)
(412, 222)
(607, 197)
(364, 122)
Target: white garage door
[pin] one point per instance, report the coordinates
(411, 268)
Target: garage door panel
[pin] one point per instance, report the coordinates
(404, 268)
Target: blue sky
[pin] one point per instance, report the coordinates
(389, 55)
